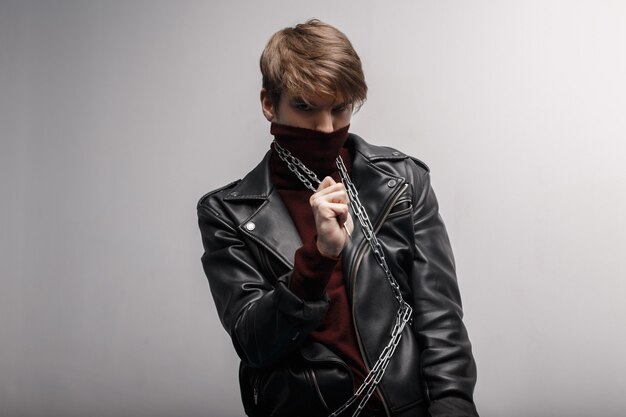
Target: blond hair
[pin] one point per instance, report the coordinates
(311, 59)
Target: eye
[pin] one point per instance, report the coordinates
(340, 108)
(302, 106)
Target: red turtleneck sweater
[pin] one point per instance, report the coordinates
(314, 273)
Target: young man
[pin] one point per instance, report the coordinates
(329, 264)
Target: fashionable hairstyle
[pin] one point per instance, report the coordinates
(312, 58)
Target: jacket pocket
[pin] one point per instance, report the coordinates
(309, 383)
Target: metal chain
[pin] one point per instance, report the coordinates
(368, 229)
(297, 167)
(404, 313)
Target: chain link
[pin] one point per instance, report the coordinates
(404, 313)
(297, 167)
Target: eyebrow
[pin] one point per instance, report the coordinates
(298, 100)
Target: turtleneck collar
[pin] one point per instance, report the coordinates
(317, 151)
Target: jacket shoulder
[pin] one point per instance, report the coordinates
(216, 192)
(383, 153)
(420, 163)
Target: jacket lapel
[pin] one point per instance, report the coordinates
(262, 215)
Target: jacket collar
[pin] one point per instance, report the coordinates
(270, 225)
(257, 184)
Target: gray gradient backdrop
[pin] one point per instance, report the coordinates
(115, 117)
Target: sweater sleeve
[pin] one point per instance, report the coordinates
(311, 272)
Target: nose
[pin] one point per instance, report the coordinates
(324, 122)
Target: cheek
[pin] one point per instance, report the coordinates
(343, 119)
(294, 118)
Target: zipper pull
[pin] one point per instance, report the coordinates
(256, 396)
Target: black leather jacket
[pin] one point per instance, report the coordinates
(250, 241)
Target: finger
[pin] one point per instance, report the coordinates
(335, 194)
(339, 196)
(326, 182)
(328, 210)
(331, 189)
(337, 210)
(342, 218)
(324, 203)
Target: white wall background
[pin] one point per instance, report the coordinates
(115, 117)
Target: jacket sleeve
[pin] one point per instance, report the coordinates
(448, 367)
(265, 320)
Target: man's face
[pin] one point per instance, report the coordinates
(323, 113)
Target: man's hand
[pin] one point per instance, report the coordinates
(330, 210)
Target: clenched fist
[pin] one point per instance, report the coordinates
(332, 217)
